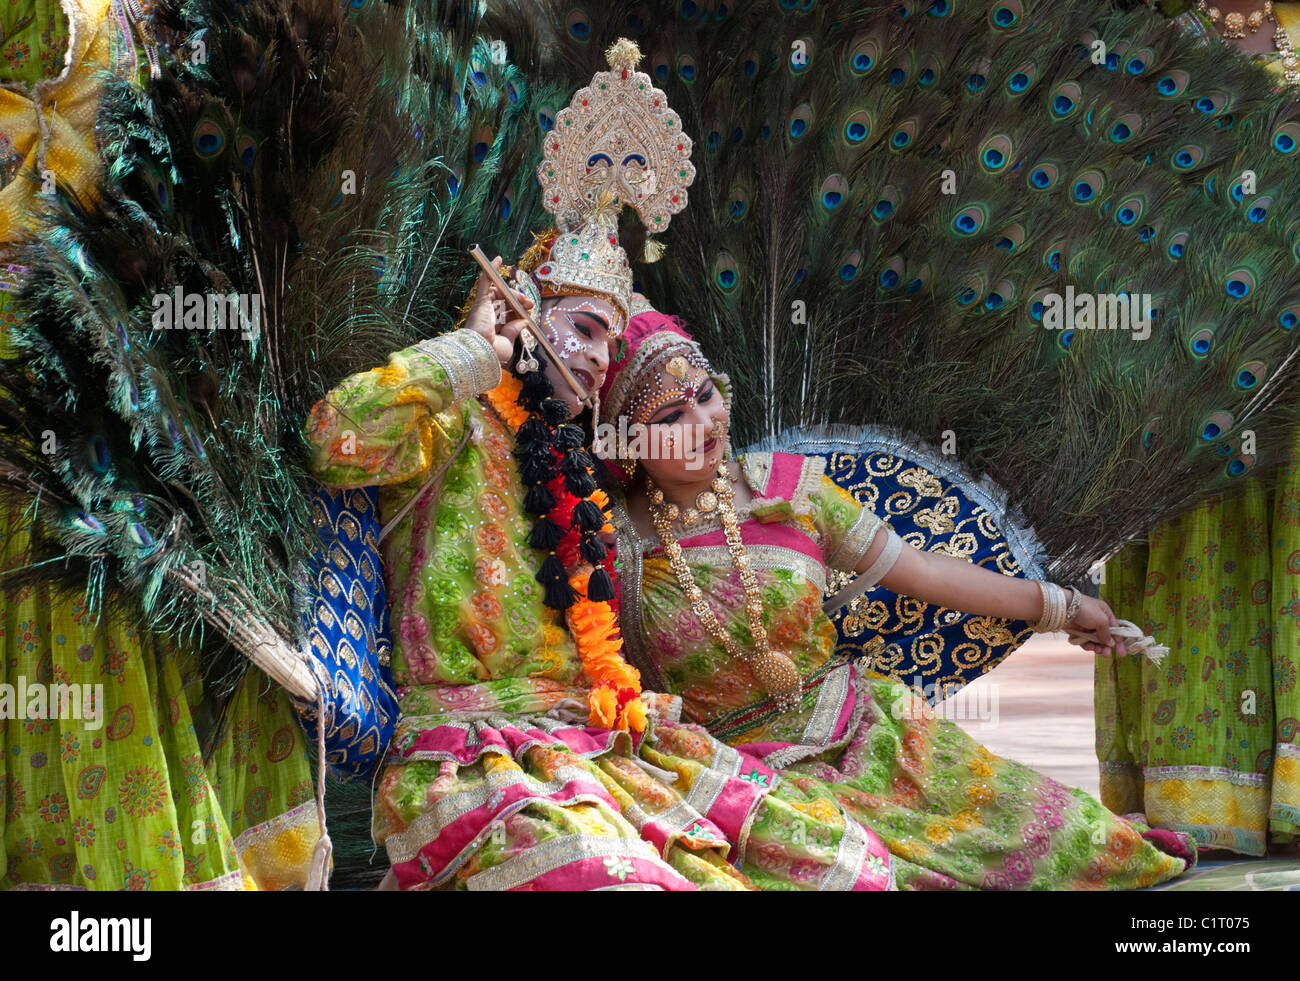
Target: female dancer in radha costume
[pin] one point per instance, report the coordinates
(1209, 742)
(723, 570)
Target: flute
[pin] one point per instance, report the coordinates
(583, 395)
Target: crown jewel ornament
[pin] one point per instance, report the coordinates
(616, 144)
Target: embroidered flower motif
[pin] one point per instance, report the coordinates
(167, 844)
(618, 868)
(753, 776)
(486, 606)
(83, 831)
(142, 792)
(491, 539)
(493, 506)
(70, 749)
(137, 880)
(490, 572)
(414, 628)
(54, 808)
(875, 864)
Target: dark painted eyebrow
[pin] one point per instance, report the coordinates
(595, 317)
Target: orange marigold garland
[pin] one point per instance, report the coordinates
(615, 698)
(505, 400)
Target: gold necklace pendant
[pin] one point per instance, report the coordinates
(775, 671)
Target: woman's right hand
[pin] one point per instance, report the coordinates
(483, 316)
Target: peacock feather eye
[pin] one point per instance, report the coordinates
(659, 67)
(1044, 177)
(546, 118)
(512, 93)
(712, 139)
(886, 203)
(1150, 432)
(1286, 138)
(750, 65)
(1052, 258)
(1020, 80)
(863, 56)
(481, 145)
(1289, 317)
(903, 135)
(1087, 187)
(849, 265)
(1237, 190)
(801, 55)
(1201, 342)
(1187, 156)
(857, 128)
(834, 191)
(1173, 84)
(995, 153)
(738, 202)
(1239, 283)
(1065, 340)
(891, 274)
(1214, 426)
(88, 523)
(477, 72)
(1125, 128)
(1240, 465)
(726, 274)
(1139, 61)
(1013, 236)
(1002, 293)
(800, 121)
(507, 205)
(1249, 375)
(931, 70)
(1178, 243)
(1038, 305)
(970, 220)
(971, 291)
(578, 25)
(940, 8)
(1257, 213)
(1211, 103)
(686, 68)
(920, 280)
(1006, 17)
(97, 454)
(139, 535)
(1130, 209)
(1065, 100)
(455, 181)
(246, 150)
(209, 139)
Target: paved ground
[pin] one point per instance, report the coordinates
(1036, 707)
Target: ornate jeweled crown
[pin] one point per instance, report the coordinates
(617, 143)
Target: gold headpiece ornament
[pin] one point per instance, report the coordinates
(617, 143)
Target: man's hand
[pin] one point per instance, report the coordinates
(492, 317)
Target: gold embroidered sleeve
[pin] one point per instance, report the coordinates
(847, 528)
(389, 424)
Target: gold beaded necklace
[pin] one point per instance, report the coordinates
(1234, 23)
(775, 671)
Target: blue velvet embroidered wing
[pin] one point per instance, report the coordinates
(347, 630)
(933, 506)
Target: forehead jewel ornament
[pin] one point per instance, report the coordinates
(616, 144)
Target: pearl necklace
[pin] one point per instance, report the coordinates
(775, 671)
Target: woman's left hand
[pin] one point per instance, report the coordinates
(1095, 615)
